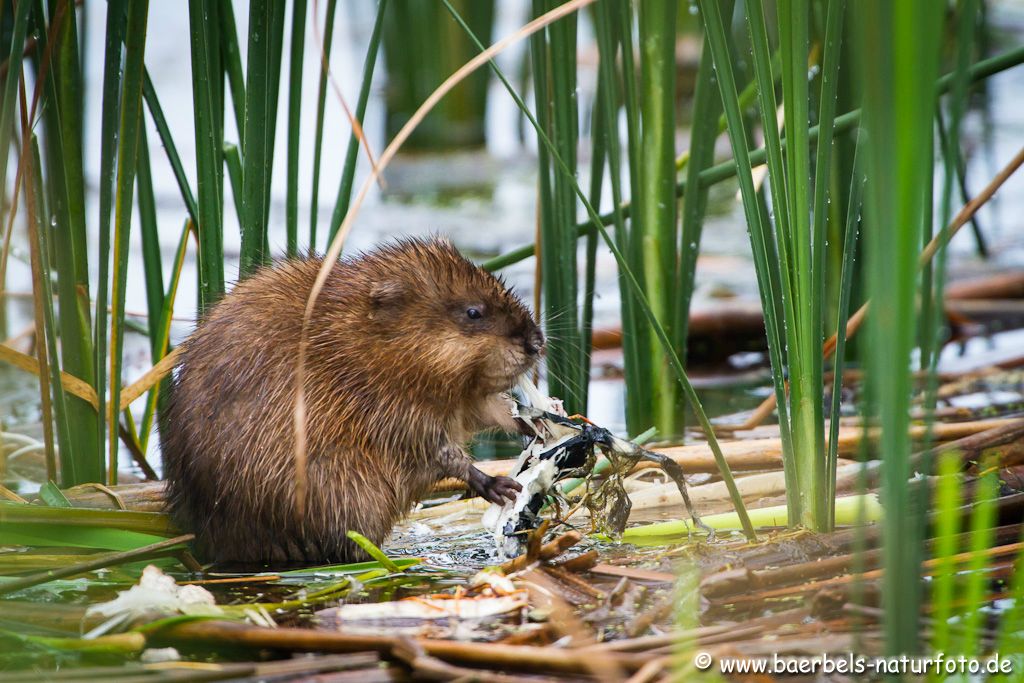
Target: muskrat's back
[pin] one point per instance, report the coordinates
(399, 371)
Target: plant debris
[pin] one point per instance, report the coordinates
(559, 449)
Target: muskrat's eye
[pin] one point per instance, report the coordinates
(474, 313)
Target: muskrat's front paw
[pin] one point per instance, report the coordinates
(497, 490)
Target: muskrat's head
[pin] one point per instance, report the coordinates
(449, 320)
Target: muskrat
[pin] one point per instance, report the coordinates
(411, 351)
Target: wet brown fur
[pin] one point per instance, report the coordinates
(397, 380)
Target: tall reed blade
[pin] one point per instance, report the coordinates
(707, 103)
(636, 337)
(789, 241)
(655, 197)
(266, 27)
(771, 274)
(19, 31)
(348, 172)
(60, 83)
(208, 107)
(127, 160)
(170, 148)
(231, 61)
(112, 76)
(298, 44)
(851, 231)
(152, 266)
(553, 55)
(899, 45)
(162, 324)
(49, 370)
(318, 134)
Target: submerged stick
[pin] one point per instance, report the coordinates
(548, 551)
(489, 655)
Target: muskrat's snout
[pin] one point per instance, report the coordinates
(533, 342)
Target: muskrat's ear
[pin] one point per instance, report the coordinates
(386, 294)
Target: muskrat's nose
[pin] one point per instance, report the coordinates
(534, 342)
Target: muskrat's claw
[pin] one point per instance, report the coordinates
(495, 490)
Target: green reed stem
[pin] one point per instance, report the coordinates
(655, 196)
(112, 76)
(60, 106)
(9, 101)
(553, 57)
(159, 393)
(231, 60)
(42, 300)
(233, 163)
(208, 97)
(947, 527)
(152, 266)
(348, 173)
(975, 591)
(703, 133)
(767, 263)
(127, 160)
(636, 336)
(298, 44)
(850, 242)
(318, 135)
(266, 27)
(899, 45)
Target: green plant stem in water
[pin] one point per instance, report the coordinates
(298, 43)
(266, 27)
(655, 197)
(899, 44)
(318, 134)
(208, 95)
(127, 159)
